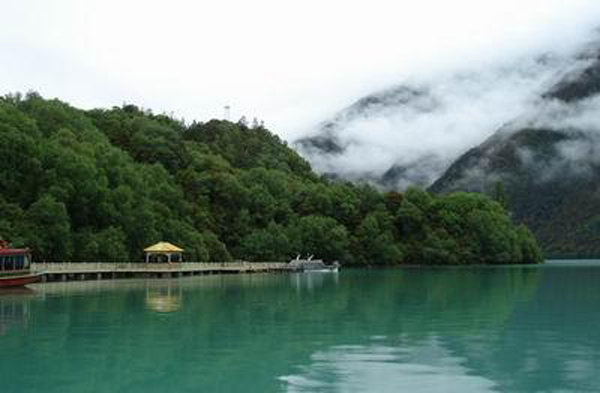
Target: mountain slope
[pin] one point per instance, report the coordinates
(409, 134)
(332, 150)
(546, 166)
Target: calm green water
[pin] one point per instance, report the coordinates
(417, 330)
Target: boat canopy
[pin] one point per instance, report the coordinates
(13, 259)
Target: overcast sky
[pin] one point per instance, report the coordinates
(290, 63)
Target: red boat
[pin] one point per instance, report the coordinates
(15, 266)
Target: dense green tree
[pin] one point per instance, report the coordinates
(320, 236)
(107, 245)
(269, 244)
(49, 230)
(531, 251)
(375, 240)
(102, 185)
(411, 221)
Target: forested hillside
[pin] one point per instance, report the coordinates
(101, 185)
(557, 198)
(546, 165)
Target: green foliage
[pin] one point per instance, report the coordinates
(462, 228)
(269, 244)
(375, 240)
(531, 251)
(49, 229)
(102, 185)
(318, 235)
(529, 174)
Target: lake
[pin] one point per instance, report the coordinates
(506, 329)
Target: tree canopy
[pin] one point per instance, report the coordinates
(101, 185)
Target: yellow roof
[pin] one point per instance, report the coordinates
(163, 247)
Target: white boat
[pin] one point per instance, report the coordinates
(313, 265)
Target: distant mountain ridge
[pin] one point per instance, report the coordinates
(579, 84)
(543, 163)
(327, 140)
(409, 134)
(549, 170)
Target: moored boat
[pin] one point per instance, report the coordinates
(313, 265)
(15, 266)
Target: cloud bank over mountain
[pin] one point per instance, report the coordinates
(544, 166)
(410, 133)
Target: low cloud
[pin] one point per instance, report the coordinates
(444, 117)
(579, 153)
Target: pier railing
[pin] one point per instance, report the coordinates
(120, 267)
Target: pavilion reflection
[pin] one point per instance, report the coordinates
(165, 297)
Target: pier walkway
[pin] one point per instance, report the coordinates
(107, 270)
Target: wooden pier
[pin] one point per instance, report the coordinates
(116, 270)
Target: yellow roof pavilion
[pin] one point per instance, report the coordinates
(163, 247)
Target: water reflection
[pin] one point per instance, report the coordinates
(509, 329)
(310, 281)
(428, 367)
(14, 308)
(424, 328)
(465, 330)
(165, 298)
